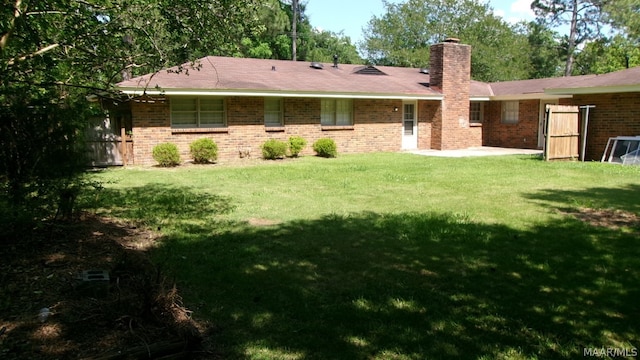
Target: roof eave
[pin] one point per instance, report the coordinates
(278, 93)
(593, 90)
(531, 96)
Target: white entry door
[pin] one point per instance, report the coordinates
(541, 124)
(409, 126)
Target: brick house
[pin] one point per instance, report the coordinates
(241, 103)
(616, 97)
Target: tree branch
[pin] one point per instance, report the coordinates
(39, 52)
(16, 14)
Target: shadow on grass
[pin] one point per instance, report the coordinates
(156, 205)
(402, 285)
(623, 198)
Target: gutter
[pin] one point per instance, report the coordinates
(287, 94)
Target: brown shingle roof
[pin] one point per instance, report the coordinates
(617, 81)
(534, 86)
(218, 74)
(261, 75)
(623, 80)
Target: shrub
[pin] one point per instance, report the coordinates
(203, 151)
(274, 149)
(325, 147)
(296, 144)
(166, 154)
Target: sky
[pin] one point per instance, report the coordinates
(350, 16)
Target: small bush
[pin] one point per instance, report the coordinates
(166, 154)
(296, 144)
(325, 147)
(203, 151)
(274, 149)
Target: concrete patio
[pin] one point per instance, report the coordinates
(476, 151)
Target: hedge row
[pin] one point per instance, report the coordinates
(205, 151)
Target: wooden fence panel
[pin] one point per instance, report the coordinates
(562, 133)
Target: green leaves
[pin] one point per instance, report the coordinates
(402, 37)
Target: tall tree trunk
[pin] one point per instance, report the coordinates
(573, 33)
(294, 30)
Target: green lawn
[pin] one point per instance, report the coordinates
(395, 256)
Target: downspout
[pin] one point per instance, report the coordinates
(586, 109)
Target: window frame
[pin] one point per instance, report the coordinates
(199, 112)
(479, 112)
(330, 108)
(510, 112)
(280, 112)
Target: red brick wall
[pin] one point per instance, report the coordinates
(614, 115)
(523, 135)
(376, 127)
(450, 72)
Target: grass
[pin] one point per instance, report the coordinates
(394, 256)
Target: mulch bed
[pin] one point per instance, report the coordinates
(137, 314)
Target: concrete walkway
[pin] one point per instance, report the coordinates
(476, 151)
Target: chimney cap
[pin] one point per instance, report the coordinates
(452, 40)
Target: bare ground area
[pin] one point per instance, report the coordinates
(609, 218)
(136, 314)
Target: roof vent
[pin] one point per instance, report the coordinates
(424, 70)
(317, 65)
(335, 61)
(369, 70)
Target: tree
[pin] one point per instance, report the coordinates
(402, 36)
(54, 53)
(272, 40)
(625, 14)
(323, 45)
(584, 18)
(545, 53)
(606, 55)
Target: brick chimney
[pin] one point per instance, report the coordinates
(450, 73)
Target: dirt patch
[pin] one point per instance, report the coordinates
(262, 222)
(135, 312)
(613, 219)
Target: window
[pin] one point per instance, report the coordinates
(510, 110)
(409, 119)
(475, 112)
(194, 112)
(336, 112)
(273, 112)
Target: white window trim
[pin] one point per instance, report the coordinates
(280, 112)
(510, 116)
(480, 119)
(198, 113)
(335, 112)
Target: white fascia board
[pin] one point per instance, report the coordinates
(534, 96)
(594, 90)
(480, 98)
(192, 92)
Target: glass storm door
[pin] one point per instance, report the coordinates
(409, 126)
